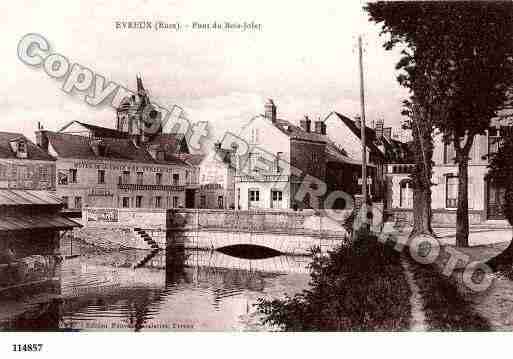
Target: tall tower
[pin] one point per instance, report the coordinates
(136, 115)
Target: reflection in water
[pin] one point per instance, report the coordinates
(175, 289)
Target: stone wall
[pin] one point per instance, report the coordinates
(268, 221)
(286, 231)
(440, 217)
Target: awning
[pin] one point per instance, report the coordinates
(24, 222)
(12, 197)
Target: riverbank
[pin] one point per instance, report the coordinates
(358, 287)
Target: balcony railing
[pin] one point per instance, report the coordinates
(150, 187)
(262, 178)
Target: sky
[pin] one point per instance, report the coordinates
(304, 58)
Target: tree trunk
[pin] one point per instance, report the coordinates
(462, 224)
(505, 258)
(423, 155)
(421, 212)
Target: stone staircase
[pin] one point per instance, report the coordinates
(146, 259)
(147, 238)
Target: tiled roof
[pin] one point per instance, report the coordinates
(33, 151)
(102, 132)
(12, 197)
(296, 132)
(397, 152)
(191, 159)
(370, 134)
(170, 142)
(121, 149)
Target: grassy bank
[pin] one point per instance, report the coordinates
(445, 307)
(361, 287)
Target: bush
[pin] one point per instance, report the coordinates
(355, 288)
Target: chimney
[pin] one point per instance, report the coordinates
(387, 133)
(305, 124)
(42, 139)
(320, 127)
(270, 110)
(379, 129)
(277, 162)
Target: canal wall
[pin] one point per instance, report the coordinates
(124, 227)
(285, 231)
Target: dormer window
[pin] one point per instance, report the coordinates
(19, 147)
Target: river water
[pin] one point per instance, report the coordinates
(177, 290)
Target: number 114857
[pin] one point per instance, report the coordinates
(27, 347)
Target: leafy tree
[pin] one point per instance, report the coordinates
(401, 23)
(458, 65)
(500, 171)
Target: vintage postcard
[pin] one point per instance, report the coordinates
(255, 166)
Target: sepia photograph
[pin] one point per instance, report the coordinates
(254, 168)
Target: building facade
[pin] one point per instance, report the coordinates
(23, 165)
(114, 172)
(216, 180)
(484, 200)
(280, 156)
(135, 165)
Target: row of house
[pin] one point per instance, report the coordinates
(89, 165)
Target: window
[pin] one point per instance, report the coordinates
(22, 147)
(138, 201)
(158, 202)
(405, 194)
(65, 201)
(158, 178)
(43, 173)
(254, 136)
(254, 195)
(187, 180)
(220, 203)
(203, 201)
(73, 177)
(78, 202)
(176, 179)
(125, 202)
(125, 179)
(276, 195)
(139, 178)
(451, 191)
(175, 201)
(449, 152)
(101, 176)
(494, 140)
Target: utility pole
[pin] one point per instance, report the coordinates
(362, 125)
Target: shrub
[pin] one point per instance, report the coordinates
(358, 287)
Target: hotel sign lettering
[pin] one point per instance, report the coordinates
(102, 214)
(121, 167)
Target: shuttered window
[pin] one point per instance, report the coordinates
(451, 192)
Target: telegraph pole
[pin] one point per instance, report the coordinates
(362, 125)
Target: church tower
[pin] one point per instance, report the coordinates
(136, 114)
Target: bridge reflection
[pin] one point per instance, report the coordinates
(137, 290)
